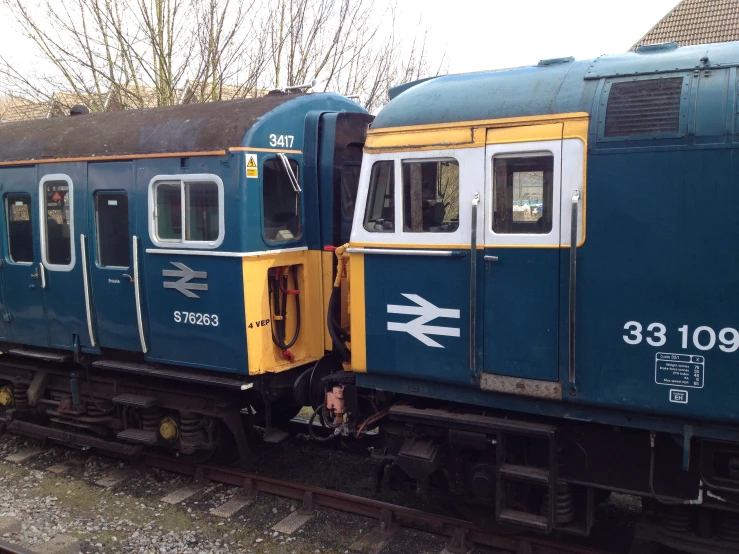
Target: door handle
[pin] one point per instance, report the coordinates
(473, 283)
(35, 275)
(490, 258)
(127, 276)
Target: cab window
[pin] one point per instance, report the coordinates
(282, 202)
(430, 196)
(522, 194)
(380, 213)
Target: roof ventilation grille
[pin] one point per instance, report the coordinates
(644, 107)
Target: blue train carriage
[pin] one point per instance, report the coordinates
(543, 289)
(163, 270)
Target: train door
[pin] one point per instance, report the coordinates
(23, 274)
(62, 226)
(527, 220)
(111, 272)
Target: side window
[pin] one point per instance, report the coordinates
(201, 200)
(187, 210)
(282, 203)
(20, 229)
(380, 213)
(430, 196)
(169, 211)
(111, 229)
(522, 194)
(56, 229)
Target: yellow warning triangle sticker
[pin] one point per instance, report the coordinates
(251, 163)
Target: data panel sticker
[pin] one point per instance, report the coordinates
(683, 370)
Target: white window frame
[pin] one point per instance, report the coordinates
(182, 180)
(524, 150)
(43, 217)
(470, 162)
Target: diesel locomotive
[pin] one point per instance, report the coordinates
(543, 292)
(532, 294)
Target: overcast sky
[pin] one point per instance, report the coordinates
(488, 34)
(491, 34)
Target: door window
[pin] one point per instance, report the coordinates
(282, 204)
(430, 196)
(523, 194)
(380, 213)
(111, 229)
(20, 228)
(57, 238)
(187, 210)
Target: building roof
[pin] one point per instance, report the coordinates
(696, 22)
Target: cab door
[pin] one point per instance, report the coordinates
(533, 189)
(416, 232)
(521, 261)
(111, 271)
(23, 274)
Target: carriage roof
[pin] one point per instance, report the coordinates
(187, 128)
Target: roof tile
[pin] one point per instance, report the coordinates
(696, 22)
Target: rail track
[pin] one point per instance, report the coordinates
(463, 535)
(7, 548)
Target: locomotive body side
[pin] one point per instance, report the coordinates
(543, 284)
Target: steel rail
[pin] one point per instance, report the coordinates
(389, 514)
(8, 548)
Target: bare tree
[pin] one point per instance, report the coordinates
(135, 53)
(118, 54)
(347, 46)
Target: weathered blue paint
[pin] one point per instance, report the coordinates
(536, 90)
(113, 299)
(25, 297)
(520, 314)
(64, 293)
(445, 283)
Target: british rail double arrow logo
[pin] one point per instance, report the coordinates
(426, 312)
(186, 275)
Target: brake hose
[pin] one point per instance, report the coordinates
(279, 310)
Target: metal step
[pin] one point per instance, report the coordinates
(40, 355)
(135, 400)
(523, 519)
(530, 474)
(138, 436)
(210, 379)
